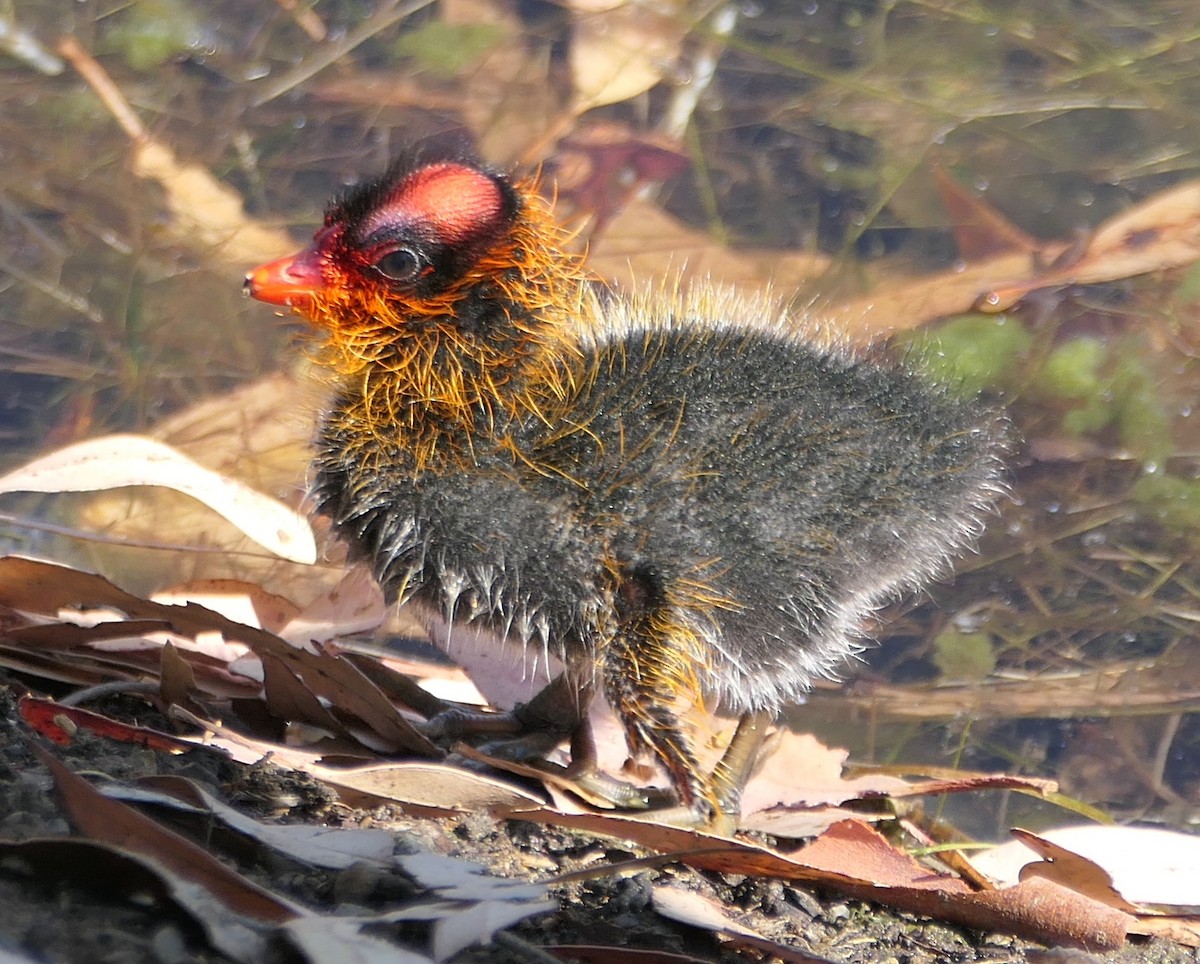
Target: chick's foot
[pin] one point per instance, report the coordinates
(530, 731)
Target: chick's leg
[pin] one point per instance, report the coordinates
(650, 680)
(737, 765)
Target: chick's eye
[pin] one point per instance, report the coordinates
(403, 264)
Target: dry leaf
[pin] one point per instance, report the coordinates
(802, 771)
(698, 911)
(354, 605)
(319, 846)
(205, 213)
(236, 599)
(621, 49)
(115, 461)
(1146, 865)
(95, 816)
(853, 859)
(430, 786)
(139, 878)
(1161, 232)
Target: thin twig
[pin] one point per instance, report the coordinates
(322, 58)
(91, 71)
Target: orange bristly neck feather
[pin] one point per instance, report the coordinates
(428, 388)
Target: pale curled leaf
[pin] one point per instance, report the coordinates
(334, 848)
(344, 939)
(695, 910)
(457, 879)
(478, 923)
(621, 50)
(1147, 865)
(113, 461)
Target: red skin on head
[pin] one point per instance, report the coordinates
(452, 199)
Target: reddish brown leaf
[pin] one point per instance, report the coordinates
(1070, 870)
(58, 723)
(853, 859)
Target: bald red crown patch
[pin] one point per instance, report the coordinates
(457, 202)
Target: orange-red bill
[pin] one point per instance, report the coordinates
(289, 281)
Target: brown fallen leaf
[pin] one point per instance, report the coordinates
(45, 589)
(1161, 232)
(176, 680)
(1070, 870)
(240, 600)
(116, 650)
(853, 859)
(237, 936)
(1147, 864)
(95, 816)
(979, 229)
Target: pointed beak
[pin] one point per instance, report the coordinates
(292, 281)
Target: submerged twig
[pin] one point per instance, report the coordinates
(324, 57)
